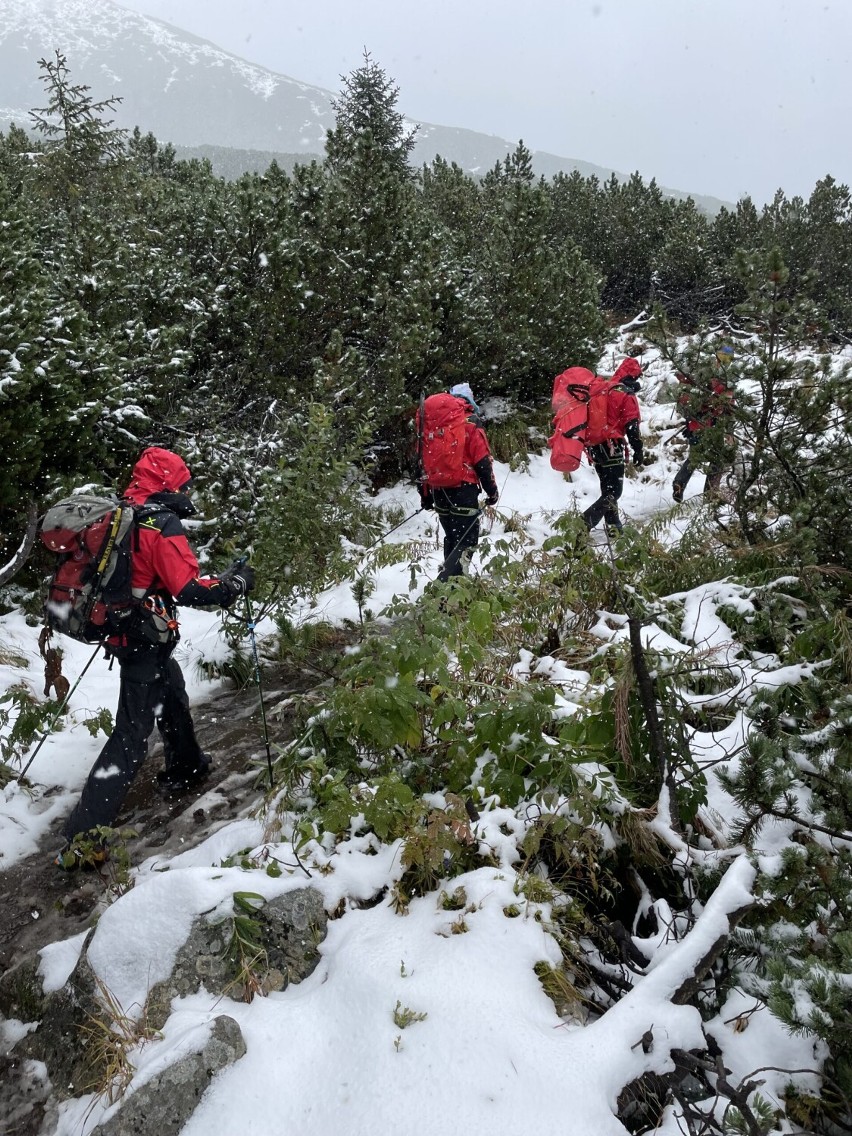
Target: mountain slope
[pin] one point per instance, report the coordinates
(182, 88)
(192, 93)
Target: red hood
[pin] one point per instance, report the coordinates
(629, 369)
(157, 471)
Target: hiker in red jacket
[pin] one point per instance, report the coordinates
(623, 417)
(457, 506)
(164, 572)
(705, 407)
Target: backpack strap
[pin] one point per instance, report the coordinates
(134, 539)
(109, 542)
(580, 393)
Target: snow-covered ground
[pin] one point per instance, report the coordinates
(490, 1053)
(64, 760)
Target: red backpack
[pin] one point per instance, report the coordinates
(441, 434)
(89, 595)
(599, 428)
(570, 402)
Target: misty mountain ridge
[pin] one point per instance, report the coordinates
(208, 102)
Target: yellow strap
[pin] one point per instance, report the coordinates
(110, 544)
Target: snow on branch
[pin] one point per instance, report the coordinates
(24, 548)
(652, 1020)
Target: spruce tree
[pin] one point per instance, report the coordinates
(369, 253)
(81, 145)
(368, 126)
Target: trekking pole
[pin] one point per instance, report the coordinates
(56, 714)
(385, 535)
(250, 624)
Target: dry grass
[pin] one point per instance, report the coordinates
(10, 658)
(109, 1041)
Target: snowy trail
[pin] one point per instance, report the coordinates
(485, 1049)
(537, 495)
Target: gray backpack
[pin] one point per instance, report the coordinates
(89, 594)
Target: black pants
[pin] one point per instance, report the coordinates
(152, 691)
(611, 477)
(715, 469)
(458, 513)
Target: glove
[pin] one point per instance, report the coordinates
(243, 578)
(238, 579)
(492, 499)
(639, 457)
(427, 501)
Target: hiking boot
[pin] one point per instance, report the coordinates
(171, 782)
(677, 491)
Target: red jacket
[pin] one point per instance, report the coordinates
(622, 416)
(627, 369)
(622, 409)
(478, 469)
(717, 403)
(622, 404)
(162, 561)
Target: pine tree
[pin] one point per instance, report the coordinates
(684, 277)
(541, 297)
(17, 159)
(41, 388)
(149, 156)
(733, 231)
(578, 214)
(452, 202)
(637, 217)
(794, 421)
(81, 146)
(797, 770)
(815, 239)
(790, 416)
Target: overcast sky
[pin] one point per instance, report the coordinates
(721, 97)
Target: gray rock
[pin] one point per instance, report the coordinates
(165, 1103)
(73, 1020)
(292, 927)
(79, 1046)
(288, 929)
(202, 960)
